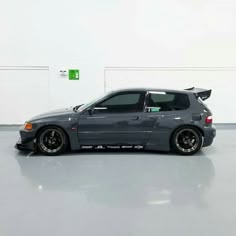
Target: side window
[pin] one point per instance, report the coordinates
(167, 101)
(122, 102)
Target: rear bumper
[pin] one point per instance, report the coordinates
(209, 135)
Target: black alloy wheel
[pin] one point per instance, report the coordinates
(52, 141)
(186, 141)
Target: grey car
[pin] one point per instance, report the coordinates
(141, 119)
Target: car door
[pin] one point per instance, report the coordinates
(165, 111)
(158, 108)
(117, 120)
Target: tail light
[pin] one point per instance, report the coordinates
(209, 120)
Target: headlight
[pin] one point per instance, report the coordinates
(28, 126)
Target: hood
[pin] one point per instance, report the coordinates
(54, 113)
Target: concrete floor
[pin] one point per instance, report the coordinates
(118, 194)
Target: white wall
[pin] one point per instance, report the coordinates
(91, 35)
(24, 93)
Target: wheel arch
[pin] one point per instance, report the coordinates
(186, 126)
(53, 126)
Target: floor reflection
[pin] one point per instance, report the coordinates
(122, 180)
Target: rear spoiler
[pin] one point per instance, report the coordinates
(202, 93)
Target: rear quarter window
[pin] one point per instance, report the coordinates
(168, 101)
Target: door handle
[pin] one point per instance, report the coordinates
(136, 118)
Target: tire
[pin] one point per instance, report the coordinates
(52, 141)
(186, 141)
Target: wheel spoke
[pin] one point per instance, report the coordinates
(53, 133)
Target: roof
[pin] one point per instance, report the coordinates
(153, 89)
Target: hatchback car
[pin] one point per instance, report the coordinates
(149, 119)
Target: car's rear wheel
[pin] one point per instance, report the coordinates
(186, 141)
(52, 141)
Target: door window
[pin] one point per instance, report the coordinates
(122, 102)
(167, 101)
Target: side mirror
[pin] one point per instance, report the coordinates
(90, 111)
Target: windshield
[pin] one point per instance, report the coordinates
(85, 106)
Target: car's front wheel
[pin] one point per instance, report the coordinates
(186, 141)
(52, 141)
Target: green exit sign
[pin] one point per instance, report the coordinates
(73, 74)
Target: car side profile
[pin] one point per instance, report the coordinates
(146, 119)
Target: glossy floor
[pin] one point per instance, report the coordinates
(119, 194)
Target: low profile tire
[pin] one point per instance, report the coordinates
(52, 141)
(186, 141)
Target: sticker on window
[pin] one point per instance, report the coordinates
(155, 109)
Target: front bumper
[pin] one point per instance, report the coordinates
(26, 141)
(25, 146)
(209, 135)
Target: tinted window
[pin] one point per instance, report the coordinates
(123, 102)
(168, 101)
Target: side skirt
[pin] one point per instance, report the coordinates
(112, 147)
